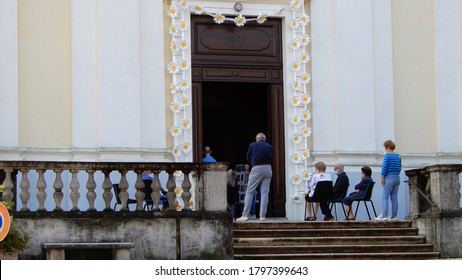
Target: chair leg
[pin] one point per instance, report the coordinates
(367, 209)
(373, 208)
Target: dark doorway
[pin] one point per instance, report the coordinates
(233, 113)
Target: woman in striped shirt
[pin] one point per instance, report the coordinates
(391, 168)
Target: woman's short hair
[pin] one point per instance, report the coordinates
(389, 144)
(367, 171)
(321, 166)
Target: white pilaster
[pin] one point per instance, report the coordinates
(119, 74)
(448, 71)
(9, 124)
(85, 99)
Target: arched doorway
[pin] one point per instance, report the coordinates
(237, 92)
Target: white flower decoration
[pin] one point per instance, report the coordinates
(296, 138)
(174, 45)
(175, 107)
(306, 132)
(296, 180)
(175, 131)
(304, 57)
(173, 88)
(198, 9)
(305, 78)
(184, 44)
(183, 25)
(295, 119)
(295, 100)
(172, 11)
(176, 151)
(295, 158)
(295, 4)
(185, 124)
(185, 101)
(240, 20)
(296, 85)
(294, 23)
(184, 65)
(296, 66)
(304, 19)
(173, 68)
(261, 18)
(173, 30)
(177, 173)
(306, 175)
(219, 18)
(186, 147)
(304, 40)
(184, 85)
(306, 99)
(184, 4)
(306, 115)
(295, 44)
(305, 154)
(296, 198)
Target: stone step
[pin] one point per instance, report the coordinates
(341, 256)
(256, 224)
(323, 248)
(335, 240)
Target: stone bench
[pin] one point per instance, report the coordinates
(56, 251)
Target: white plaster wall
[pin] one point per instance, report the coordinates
(8, 77)
(448, 72)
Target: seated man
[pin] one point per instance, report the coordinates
(360, 191)
(321, 175)
(340, 187)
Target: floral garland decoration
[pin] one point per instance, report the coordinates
(300, 99)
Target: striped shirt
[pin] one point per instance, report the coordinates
(391, 164)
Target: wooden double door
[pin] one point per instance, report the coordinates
(237, 93)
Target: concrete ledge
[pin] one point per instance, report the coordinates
(56, 251)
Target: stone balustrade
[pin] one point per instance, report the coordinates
(434, 194)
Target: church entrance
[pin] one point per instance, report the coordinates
(237, 93)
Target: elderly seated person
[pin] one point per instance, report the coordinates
(360, 191)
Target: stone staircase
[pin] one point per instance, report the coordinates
(347, 240)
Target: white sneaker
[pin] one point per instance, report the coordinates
(392, 218)
(263, 219)
(242, 219)
(381, 217)
(252, 217)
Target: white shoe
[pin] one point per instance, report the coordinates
(392, 218)
(381, 217)
(263, 219)
(242, 219)
(252, 217)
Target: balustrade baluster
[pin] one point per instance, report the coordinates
(24, 195)
(74, 186)
(156, 188)
(139, 195)
(200, 191)
(107, 187)
(58, 195)
(123, 195)
(41, 194)
(91, 195)
(8, 186)
(171, 195)
(186, 186)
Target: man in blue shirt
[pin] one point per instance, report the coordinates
(260, 155)
(207, 155)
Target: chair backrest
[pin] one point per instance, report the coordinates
(370, 188)
(323, 191)
(116, 193)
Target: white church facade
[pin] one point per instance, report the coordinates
(156, 80)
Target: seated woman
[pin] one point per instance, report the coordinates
(360, 191)
(321, 175)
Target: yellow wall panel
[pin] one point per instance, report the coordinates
(45, 93)
(414, 75)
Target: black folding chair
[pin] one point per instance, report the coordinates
(367, 198)
(116, 194)
(337, 200)
(322, 193)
